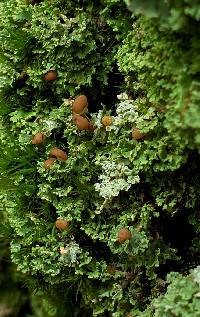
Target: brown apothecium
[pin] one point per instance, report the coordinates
(38, 138)
(51, 75)
(136, 134)
(48, 163)
(81, 122)
(80, 104)
(61, 224)
(123, 235)
(59, 154)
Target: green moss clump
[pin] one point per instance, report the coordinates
(142, 70)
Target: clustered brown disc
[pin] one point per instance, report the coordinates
(51, 75)
(59, 154)
(48, 163)
(106, 120)
(38, 138)
(136, 134)
(80, 105)
(61, 224)
(81, 122)
(123, 235)
(79, 108)
(55, 154)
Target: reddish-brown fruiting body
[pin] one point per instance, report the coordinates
(123, 235)
(80, 104)
(38, 138)
(59, 154)
(106, 120)
(136, 134)
(48, 163)
(61, 224)
(50, 75)
(81, 122)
